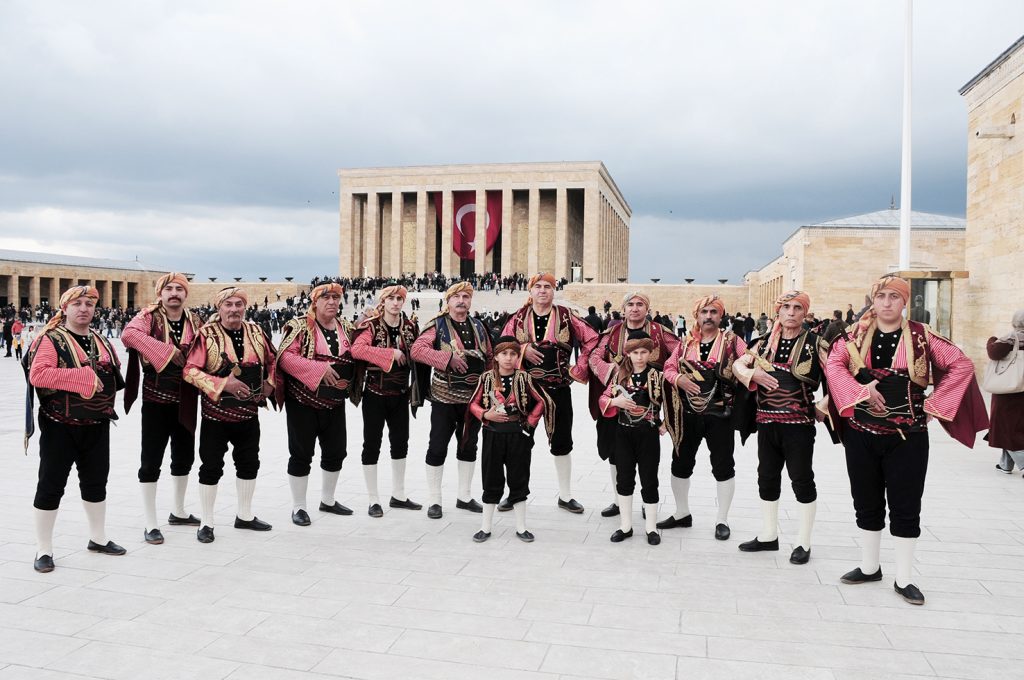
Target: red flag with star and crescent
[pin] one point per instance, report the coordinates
(464, 221)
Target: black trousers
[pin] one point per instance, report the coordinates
(721, 441)
(447, 420)
(87, 447)
(305, 426)
(887, 467)
(792, 446)
(606, 432)
(392, 410)
(561, 436)
(160, 424)
(637, 449)
(505, 455)
(214, 438)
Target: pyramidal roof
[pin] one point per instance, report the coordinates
(890, 219)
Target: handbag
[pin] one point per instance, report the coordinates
(1006, 375)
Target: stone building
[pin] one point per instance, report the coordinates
(994, 252)
(28, 278)
(568, 218)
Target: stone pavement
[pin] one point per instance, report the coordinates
(408, 597)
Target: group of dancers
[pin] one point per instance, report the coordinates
(869, 386)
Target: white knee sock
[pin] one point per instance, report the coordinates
(520, 512)
(488, 518)
(871, 545)
(398, 479)
(434, 476)
(44, 520)
(726, 490)
(651, 517)
(328, 485)
(626, 513)
(298, 485)
(615, 481)
(769, 521)
(149, 503)
(207, 499)
(466, 480)
(180, 483)
(563, 467)
(370, 475)
(904, 560)
(96, 513)
(245, 488)
(807, 513)
(681, 492)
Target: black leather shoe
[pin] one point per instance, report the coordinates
(43, 564)
(299, 518)
(336, 509)
(191, 520)
(621, 535)
(799, 555)
(653, 538)
(110, 548)
(910, 593)
(375, 510)
(611, 511)
(205, 535)
(481, 536)
(470, 505)
(572, 505)
(672, 522)
(407, 504)
(254, 524)
(504, 506)
(757, 546)
(1004, 470)
(153, 536)
(525, 536)
(722, 532)
(858, 576)
(434, 512)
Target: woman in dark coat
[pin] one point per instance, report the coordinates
(1007, 422)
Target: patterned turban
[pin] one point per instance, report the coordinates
(543, 276)
(892, 282)
(69, 296)
(173, 277)
(230, 292)
(378, 309)
(507, 342)
(708, 301)
(317, 293)
(454, 289)
(638, 340)
(792, 296)
(635, 294)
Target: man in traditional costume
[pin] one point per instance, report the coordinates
(383, 341)
(159, 338)
(458, 349)
(784, 370)
(316, 375)
(76, 374)
(233, 364)
(700, 369)
(604, 363)
(877, 380)
(548, 333)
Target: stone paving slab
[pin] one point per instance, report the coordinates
(409, 597)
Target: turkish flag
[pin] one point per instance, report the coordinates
(464, 221)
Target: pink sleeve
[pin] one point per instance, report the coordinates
(605, 402)
(843, 388)
(423, 351)
(672, 364)
(476, 408)
(535, 413)
(195, 371)
(599, 365)
(271, 361)
(46, 374)
(958, 371)
(669, 341)
(136, 336)
(363, 350)
(739, 347)
(307, 371)
(587, 339)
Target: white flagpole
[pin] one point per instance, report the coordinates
(905, 175)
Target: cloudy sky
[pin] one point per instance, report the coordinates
(206, 136)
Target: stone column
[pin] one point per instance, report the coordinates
(507, 236)
(421, 232)
(346, 242)
(591, 227)
(107, 292)
(54, 291)
(561, 233)
(122, 300)
(371, 237)
(533, 233)
(395, 259)
(446, 233)
(33, 291)
(12, 289)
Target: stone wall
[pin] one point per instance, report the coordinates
(34, 282)
(665, 298)
(202, 293)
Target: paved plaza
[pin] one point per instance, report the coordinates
(407, 597)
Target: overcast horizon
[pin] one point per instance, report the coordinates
(207, 137)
